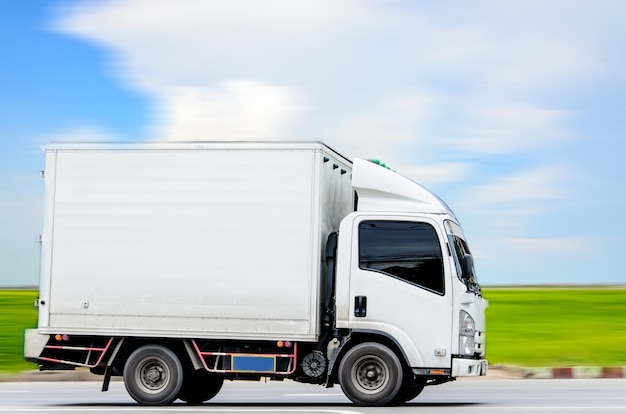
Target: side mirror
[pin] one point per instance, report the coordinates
(468, 267)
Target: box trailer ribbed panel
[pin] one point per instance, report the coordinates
(215, 240)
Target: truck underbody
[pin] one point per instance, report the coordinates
(196, 368)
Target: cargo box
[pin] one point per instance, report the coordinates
(204, 240)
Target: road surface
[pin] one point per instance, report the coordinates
(464, 396)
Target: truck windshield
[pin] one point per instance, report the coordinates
(459, 249)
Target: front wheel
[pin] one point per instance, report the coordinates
(409, 392)
(371, 374)
(153, 375)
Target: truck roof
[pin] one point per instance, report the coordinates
(378, 188)
(193, 145)
(381, 189)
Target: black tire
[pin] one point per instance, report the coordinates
(409, 392)
(153, 375)
(200, 386)
(370, 374)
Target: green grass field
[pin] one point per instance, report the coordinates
(16, 314)
(556, 326)
(525, 326)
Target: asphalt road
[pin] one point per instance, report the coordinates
(463, 396)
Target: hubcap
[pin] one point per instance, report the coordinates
(370, 374)
(152, 375)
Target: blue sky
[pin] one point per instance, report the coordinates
(513, 112)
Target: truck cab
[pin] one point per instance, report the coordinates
(406, 278)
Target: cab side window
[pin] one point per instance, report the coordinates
(406, 250)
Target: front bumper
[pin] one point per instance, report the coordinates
(469, 367)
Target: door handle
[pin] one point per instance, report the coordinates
(360, 306)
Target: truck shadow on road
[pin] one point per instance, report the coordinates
(275, 405)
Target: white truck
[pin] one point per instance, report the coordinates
(181, 265)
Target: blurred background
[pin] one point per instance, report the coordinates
(512, 112)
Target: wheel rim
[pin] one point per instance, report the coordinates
(370, 374)
(152, 375)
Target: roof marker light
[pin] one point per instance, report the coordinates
(382, 164)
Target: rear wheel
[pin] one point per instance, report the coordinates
(153, 375)
(371, 374)
(200, 386)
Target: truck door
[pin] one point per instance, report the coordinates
(399, 286)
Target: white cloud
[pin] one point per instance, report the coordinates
(549, 246)
(446, 172)
(521, 116)
(511, 128)
(160, 43)
(346, 55)
(383, 128)
(507, 212)
(534, 187)
(521, 45)
(242, 110)
(531, 213)
(541, 60)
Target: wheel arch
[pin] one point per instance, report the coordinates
(360, 336)
(130, 344)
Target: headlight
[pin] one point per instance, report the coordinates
(466, 325)
(466, 334)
